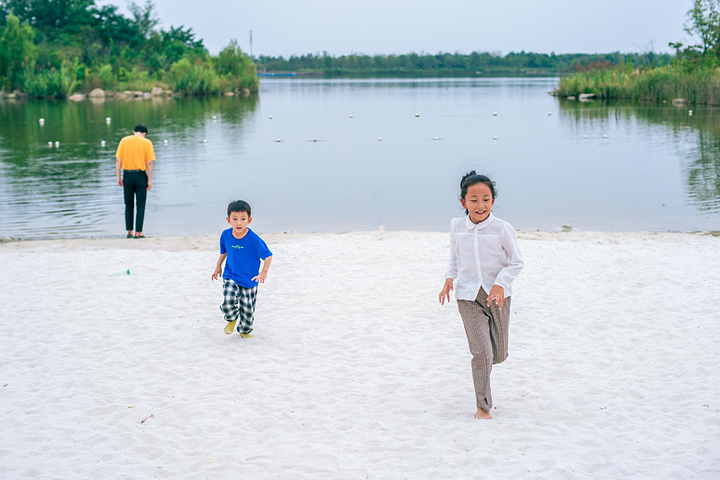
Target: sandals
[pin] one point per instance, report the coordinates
(139, 235)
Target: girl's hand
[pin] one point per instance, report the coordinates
(497, 295)
(260, 277)
(445, 292)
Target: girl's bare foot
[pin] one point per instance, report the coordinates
(482, 414)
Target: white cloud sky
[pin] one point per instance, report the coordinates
(287, 27)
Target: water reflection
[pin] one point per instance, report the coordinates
(595, 166)
(695, 133)
(70, 189)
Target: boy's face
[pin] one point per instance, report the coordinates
(239, 222)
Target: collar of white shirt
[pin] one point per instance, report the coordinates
(484, 224)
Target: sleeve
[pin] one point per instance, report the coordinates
(452, 268)
(150, 154)
(515, 262)
(263, 250)
(120, 150)
(223, 250)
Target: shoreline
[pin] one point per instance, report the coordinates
(711, 233)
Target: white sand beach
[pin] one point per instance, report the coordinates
(356, 371)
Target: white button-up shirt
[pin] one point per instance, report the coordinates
(481, 256)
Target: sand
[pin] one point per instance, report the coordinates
(355, 370)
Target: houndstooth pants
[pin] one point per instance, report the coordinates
(239, 304)
(487, 334)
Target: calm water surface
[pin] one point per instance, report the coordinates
(339, 155)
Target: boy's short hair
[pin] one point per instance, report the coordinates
(239, 206)
(140, 128)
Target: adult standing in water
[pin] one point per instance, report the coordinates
(135, 156)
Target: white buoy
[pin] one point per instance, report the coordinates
(549, 113)
(102, 143)
(351, 115)
(379, 139)
(108, 120)
(270, 117)
(57, 144)
(166, 142)
(690, 113)
(585, 137)
(604, 136)
(436, 138)
(494, 114)
(204, 140)
(214, 117)
(41, 121)
(417, 114)
(495, 137)
(50, 144)
(277, 140)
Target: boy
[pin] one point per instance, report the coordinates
(243, 250)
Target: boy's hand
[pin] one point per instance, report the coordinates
(445, 292)
(260, 277)
(216, 274)
(497, 295)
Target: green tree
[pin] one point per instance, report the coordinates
(16, 49)
(704, 23)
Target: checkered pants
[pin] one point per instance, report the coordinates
(487, 334)
(239, 304)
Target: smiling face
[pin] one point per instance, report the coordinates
(478, 201)
(239, 222)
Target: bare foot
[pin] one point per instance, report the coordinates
(482, 414)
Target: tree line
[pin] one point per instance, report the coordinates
(56, 47)
(454, 64)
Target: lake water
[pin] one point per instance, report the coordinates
(340, 155)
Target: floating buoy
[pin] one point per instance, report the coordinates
(102, 143)
(351, 115)
(108, 120)
(166, 142)
(604, 136)
(314, 139)
(417, 114)
(436, 138)
(585, 137)
(50, 144)
(270, 117)
(494, 114)
(549, 113)
(379, 139)
(690, 113)
(495, 137)
(277, 140)
(57, 144)
(204, 140)
(214, 117)
(41, 121)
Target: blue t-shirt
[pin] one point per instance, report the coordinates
(243, 256)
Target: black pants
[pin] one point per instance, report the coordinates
(135, 185)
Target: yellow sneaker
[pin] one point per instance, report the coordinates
(247, 335)
(230, 327)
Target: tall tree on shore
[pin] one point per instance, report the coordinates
(704, 23)
(15, 51)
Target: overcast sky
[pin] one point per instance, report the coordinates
(297, 27)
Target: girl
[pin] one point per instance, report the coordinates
(484, 261)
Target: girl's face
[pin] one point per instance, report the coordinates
(478, 201)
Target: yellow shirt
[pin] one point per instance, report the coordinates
(134, 152)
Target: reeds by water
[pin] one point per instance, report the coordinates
(657, 85)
